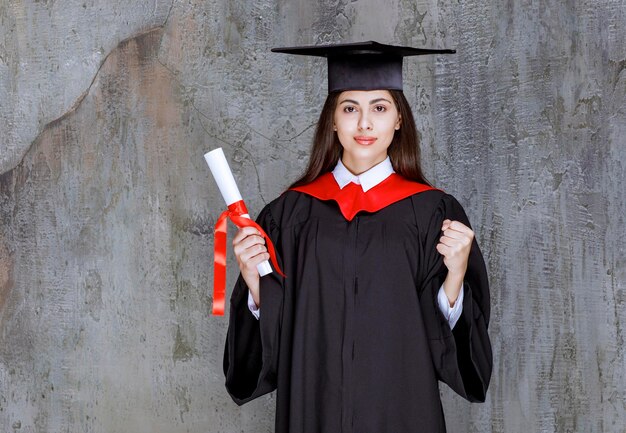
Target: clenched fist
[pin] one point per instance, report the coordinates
(455, 246)
(250, 250)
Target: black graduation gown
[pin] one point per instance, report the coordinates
(353, 339)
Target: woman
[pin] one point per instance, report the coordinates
(386, 290)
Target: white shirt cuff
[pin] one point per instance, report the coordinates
(256, 311)
(452, 314)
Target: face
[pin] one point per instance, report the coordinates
(365, 122)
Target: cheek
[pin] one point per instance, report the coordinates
(343, 122)
(344, 138)
(390, 127)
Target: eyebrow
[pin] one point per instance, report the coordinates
(373, 101)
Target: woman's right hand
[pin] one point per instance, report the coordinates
(249, 248)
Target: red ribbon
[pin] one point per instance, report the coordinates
(234, 213)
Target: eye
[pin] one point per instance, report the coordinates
(380, 108)
(349, 109)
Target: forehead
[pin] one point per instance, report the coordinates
(365, 96)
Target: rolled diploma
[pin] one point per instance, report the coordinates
(228, 187)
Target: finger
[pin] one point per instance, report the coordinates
(460, 227)
(444, 250)
(251, 252)
(250, 267)
(251, 264)
(448, 241)
(246, 243)
(466, 236)
(240, 235)
(249, 241)
(456, 246)
(243, 232)
(259, 258)
(455, 234)
(445, 225)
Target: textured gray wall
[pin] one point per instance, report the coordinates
(107, 205)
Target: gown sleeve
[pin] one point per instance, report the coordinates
(462, 357)
(252, 345)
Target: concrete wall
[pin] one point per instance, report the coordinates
(107, 206)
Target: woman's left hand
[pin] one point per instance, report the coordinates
(454, 246)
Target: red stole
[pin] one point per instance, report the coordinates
(351, 199)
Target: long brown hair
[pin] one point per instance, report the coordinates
(404, 150)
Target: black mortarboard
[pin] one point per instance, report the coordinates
(362, 65)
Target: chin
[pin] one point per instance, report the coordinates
(369, 155)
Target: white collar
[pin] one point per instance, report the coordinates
(368, 179)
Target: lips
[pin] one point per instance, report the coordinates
(364, 140)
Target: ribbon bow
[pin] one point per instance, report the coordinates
(234, 213)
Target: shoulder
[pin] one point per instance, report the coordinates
(289, 208)
(437, 204)
(435, 197)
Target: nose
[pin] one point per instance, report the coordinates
(365, 122)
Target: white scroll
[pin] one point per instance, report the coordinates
(228, 187)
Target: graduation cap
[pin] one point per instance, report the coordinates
(362, 65)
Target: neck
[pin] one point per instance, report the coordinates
(357, 167)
